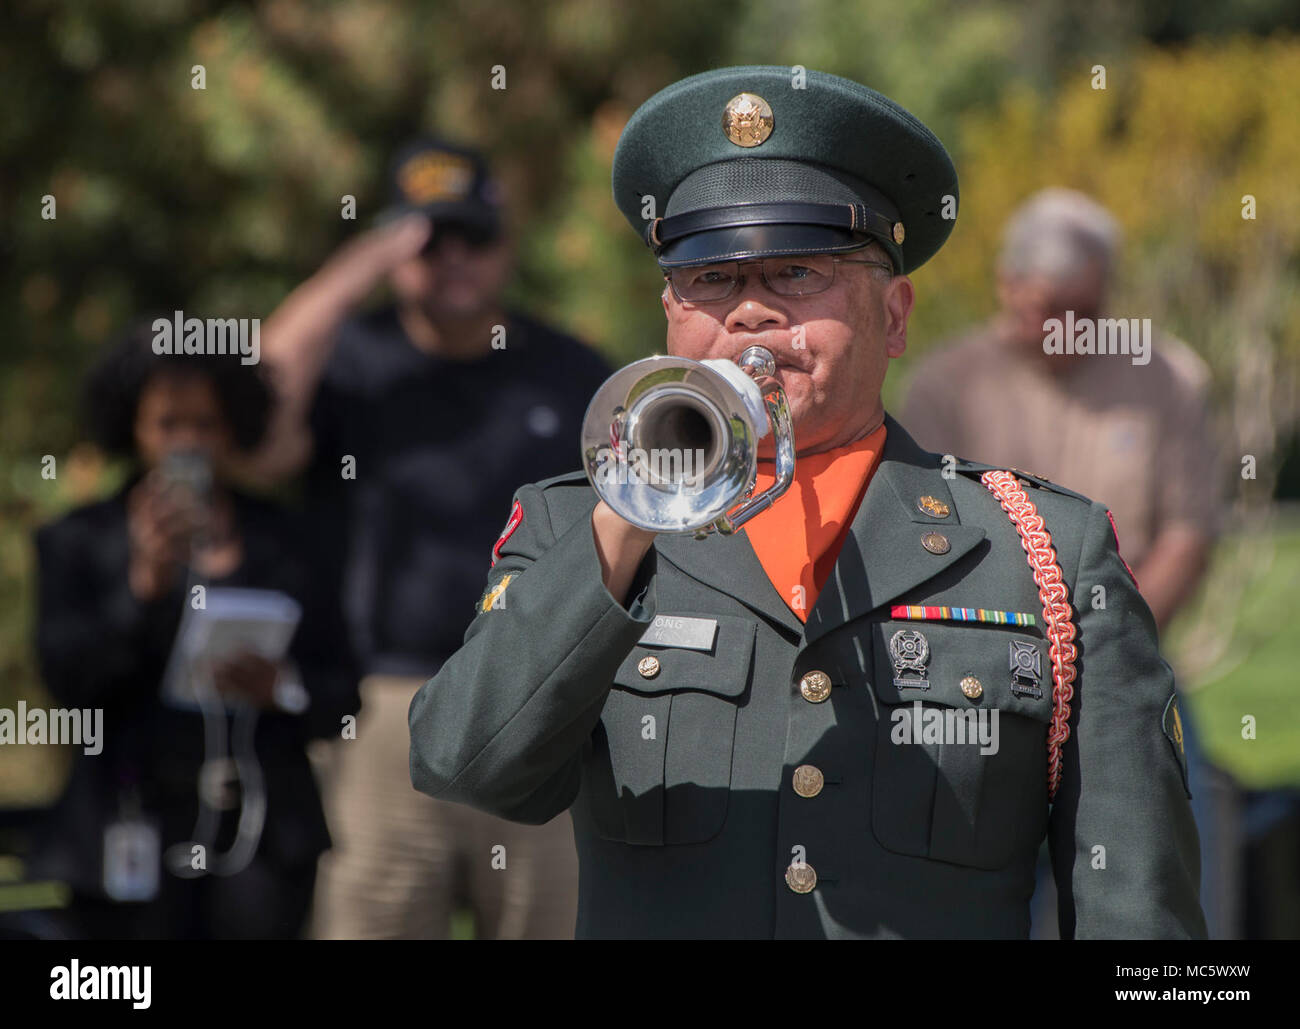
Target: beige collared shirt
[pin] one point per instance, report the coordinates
(1134, 437)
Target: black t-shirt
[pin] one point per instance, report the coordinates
(440, 446)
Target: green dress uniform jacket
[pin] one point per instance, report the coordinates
(682, 783)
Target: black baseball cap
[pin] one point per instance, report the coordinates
(450, 183)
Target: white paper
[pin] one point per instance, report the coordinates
(232, 622)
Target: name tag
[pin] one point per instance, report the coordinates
(676, 631)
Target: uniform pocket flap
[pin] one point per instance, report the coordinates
(964, 665)
(723, 670)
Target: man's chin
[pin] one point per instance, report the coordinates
(767, 446)
(457, 308)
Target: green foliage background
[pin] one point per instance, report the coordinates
(220, 200)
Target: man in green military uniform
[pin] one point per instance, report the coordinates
(738, 763)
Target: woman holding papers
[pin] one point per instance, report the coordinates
(187, 611)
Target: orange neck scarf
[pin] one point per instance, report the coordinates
(798, 538)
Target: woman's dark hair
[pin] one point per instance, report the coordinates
(114, 386)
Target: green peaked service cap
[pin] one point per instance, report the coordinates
(748, 162)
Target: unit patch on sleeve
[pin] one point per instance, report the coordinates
(1173, 727)
(512, 523)
(495, 595)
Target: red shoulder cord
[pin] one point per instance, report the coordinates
(1055, 598)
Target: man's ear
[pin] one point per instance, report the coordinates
(663, 299)
(900, 295)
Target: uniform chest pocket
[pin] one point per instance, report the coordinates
(660, 765)
(960, 767)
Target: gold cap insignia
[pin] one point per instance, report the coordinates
(933, 506)
(429, 178)
(898, 233)
(747, 119)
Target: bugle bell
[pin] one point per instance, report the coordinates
(671, 444)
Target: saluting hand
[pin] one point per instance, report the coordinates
(358, 266)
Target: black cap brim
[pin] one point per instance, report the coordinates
(476, 216)
(749, 242)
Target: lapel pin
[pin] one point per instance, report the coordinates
(934, 507)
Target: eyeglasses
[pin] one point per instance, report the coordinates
(793, 276)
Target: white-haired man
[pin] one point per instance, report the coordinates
(1048, 387)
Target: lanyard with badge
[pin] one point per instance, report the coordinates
(132, 847)
(230, 774)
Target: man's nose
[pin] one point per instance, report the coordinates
(752, 312)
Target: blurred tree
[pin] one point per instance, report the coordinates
(1175, 146)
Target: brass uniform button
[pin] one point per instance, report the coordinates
(815, 687)
(936, 543)
(801, 878)
(972, 687)
(808, 780)
(648, 667)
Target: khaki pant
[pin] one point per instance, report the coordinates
(403, 862)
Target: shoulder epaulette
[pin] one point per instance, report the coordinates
(975, 470)
(566, 478)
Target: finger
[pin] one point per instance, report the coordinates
(145, 498)
(239, 665)
(223, 681)
(403, 238)
(175, 528)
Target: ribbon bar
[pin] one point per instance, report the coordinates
(920, 613)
